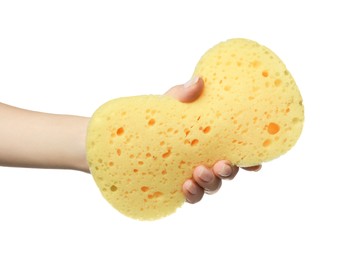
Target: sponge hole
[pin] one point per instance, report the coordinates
(120, 131)
(144, 188)
(206, 130)
(273, 128)
(155, 195)
(167, 154)
(295, 120)
(266, 143)
(255, 64)
(194, 142)
(151, 122)
(277, 82)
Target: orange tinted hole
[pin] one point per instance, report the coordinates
(111, 163)
(164, 172)
(167, 154)
(135, 170)
(152, 122)
(120, 131)
(148, 155)
(277, 82)
(118, 151)
(266, 143)
(186, 131)
(206, 129)
(194, 142)
(140, 162)
(265, 73)
(155, 195)
(273, 128)
(144, 188)
(255, 64)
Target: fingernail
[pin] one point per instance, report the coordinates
(191, 82)
(204, 174)
(190, 187)
(259, 168)
(225, 171)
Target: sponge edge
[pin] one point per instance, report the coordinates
(141, 149)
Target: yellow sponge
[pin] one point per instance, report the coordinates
(141, 149)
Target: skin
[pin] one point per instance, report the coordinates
(41, 140)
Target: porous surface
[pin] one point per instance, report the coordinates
(141, 149)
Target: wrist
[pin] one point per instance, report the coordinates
(79, 161)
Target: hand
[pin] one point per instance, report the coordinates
(204, 180)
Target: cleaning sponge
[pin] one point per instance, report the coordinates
(141, 149)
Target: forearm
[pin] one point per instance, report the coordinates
(41, 140)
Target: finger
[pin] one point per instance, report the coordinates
(224, 170)
(188, 92)
(192, 191)
(255, 168)
(206, 179)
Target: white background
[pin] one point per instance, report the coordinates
(71, 56)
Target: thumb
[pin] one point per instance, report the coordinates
(188, 92)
